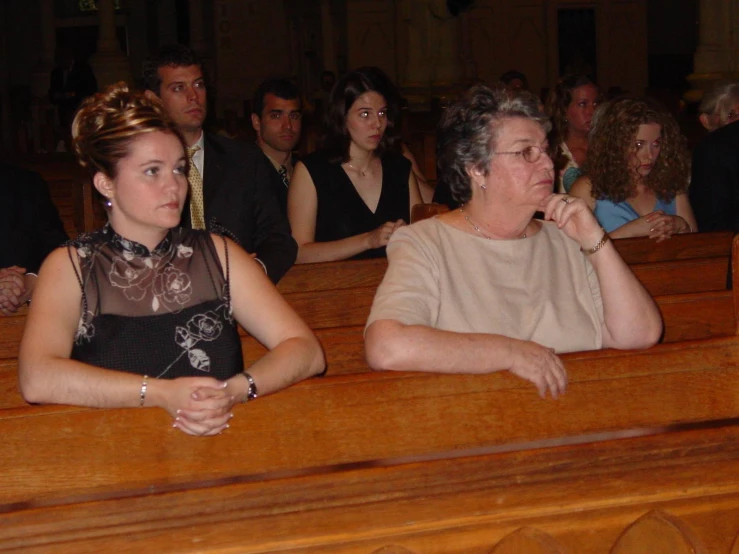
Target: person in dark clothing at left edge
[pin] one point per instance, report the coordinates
(30, 228)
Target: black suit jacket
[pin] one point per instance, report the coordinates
(714, 184)
(278, 186)
(238, 196)
(30, 227)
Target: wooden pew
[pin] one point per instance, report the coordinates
(679, 247)
(703, 265)
(427, 462)
(372, 460)
(334, 296)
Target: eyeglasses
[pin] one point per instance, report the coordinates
(531, 153)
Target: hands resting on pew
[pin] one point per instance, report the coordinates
(15, 288)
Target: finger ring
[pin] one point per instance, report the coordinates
(566, 199)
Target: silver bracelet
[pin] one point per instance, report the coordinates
(251, 392)
(142, 394)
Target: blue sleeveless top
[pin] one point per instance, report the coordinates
(612, 215)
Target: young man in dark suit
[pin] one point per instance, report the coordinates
(277, 118)
(230, 181)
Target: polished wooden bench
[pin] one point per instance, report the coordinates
(703, 265)
(335, 298)
(425, 462)
(369, 461)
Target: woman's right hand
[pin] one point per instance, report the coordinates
(540, 365)
(653, 225)
(194, 412)
(381, 236)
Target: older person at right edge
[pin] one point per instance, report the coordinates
(487, 287)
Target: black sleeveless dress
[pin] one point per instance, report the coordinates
(341, 211)
(164, 313)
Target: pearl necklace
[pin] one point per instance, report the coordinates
(476, 228)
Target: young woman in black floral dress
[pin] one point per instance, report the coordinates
(143, 312)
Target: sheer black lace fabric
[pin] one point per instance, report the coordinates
(164, 313)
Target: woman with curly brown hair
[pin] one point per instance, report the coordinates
(571, 105)
(143, 297)
(637, 172)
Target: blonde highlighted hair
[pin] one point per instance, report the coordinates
(109, 121)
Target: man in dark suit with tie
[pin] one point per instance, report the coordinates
(714, 184)
(277, 118)
(229, 180)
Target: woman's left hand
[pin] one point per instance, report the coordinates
(574, 217)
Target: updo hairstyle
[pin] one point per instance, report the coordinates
(107, 123)
(468, 132)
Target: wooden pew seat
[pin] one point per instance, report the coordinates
(426, 462)
(429, 506)
(642, 446)
(366, 416)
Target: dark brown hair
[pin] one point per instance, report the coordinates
(351, 86)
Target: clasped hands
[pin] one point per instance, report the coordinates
(15, 289)
(199, 405)
(661, 226)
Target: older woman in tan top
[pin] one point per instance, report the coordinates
(487, 287)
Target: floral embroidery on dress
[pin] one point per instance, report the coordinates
(130, 279)
(123, 280)
(205, 327)
(172, 286)
(85, 330)
(184, 251)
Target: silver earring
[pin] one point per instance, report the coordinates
(108, 203)
(484, 187)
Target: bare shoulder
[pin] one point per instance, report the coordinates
(582, 188)
(60, 262)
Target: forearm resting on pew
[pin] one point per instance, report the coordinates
(291, 361)
(631, 318)
(392, 345)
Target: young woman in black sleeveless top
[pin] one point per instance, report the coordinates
(143, 312)
(346, 200)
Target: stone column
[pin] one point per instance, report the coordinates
(717, 56)
(109, 63)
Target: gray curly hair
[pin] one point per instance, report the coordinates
(468, 131)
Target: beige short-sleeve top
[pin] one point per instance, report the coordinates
(541, 288)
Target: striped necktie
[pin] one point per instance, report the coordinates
(283, 173)
(197, 206)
